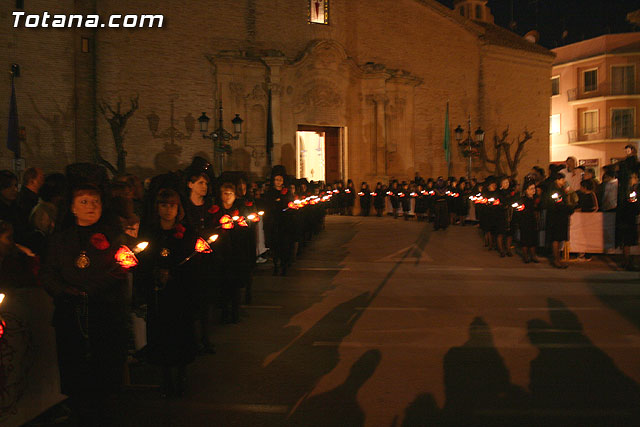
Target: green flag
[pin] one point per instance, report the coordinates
(447, 137)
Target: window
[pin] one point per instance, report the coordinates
(478, 11)
(319, 11)
(590, 122)
(555, 86)
(85, 46)
(622, 123)
(622, 80)
(554, 124)
(591, 80)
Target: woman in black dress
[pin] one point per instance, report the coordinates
(232, 252)
(557, 221)
(394, 197)
(277, 232)
(504, 215)
(169, 292)
(527, 214)
(199, 218)
(350, 197)
(90, 318)
(626, 223)
(365, 199)
(379, 195)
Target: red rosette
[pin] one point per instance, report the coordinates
(284, 191)
(179, 234)
(213, 209)
(248, 203)
(100, 242)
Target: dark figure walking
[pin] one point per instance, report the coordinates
(379, 195)
(441, 212)
(169, 293)
(90, 318)
(365, 199)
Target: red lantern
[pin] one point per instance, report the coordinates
(242, 222)
(226, 222)
(202, 246)
(3, 325)
(125, 257)
(292, 205)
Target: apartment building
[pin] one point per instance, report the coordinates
(595, 99)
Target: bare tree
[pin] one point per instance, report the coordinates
(117, 121)
(495, 164)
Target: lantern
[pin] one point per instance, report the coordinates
(226, 222)
(202, 246)
(125, 257)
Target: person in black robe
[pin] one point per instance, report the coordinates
(405, 200)
(626, 222)
(365, 199)
(441, 212)
(557, 221)
(199, 216)
(394, 198)
(379, 195)
(232, 257)
(527, 216)
(90, 318)
(504, 215)
(278, 234)
(167, 285)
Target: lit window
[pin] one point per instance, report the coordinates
(591, 80)
(554, 124)
(319, 11)
(555, 86)
(590, 122)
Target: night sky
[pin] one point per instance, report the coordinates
(581, 19)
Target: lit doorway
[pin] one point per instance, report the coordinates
(318, 153)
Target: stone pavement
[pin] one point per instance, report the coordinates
(384, 322)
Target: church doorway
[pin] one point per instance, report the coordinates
(319, 153)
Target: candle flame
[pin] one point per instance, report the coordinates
(1, 298)
(235, 217)
(213, 238)
(261, 213)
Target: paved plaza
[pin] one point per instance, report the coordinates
(383, 322)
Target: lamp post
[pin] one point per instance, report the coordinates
(220, 136)
(472, 142)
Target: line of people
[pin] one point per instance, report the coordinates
(202, 236)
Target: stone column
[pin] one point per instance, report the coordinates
(380, 102)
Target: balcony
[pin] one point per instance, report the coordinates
(605, 133)
(604, 89)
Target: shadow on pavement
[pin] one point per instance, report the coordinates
(572, 382)
(625, 300)
(339, 407)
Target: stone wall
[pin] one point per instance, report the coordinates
(382, 70)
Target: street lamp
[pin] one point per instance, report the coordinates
(220, 136)
(472, 142)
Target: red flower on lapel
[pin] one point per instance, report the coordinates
(248, 203)
(100, 242)
(179, 234)
(213, 209)
(284, 191)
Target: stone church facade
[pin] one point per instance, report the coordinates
(379, 73)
